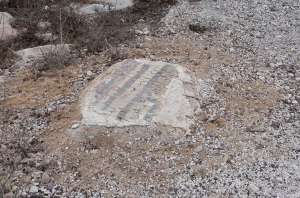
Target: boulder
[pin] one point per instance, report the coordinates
(104, 6)
(119, 4)
(34, 53)
(30, 54)
(139, 93)
(92, 9)
(6, 31)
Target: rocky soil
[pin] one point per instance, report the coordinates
(245, 142)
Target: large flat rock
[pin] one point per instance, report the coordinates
(141, 92)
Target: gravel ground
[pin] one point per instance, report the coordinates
(245, 142)
(263, 159)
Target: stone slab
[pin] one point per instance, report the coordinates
(141, 92)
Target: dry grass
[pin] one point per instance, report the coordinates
(105, 31)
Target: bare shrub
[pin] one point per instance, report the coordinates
(27, 3)
(114, 26)
(52, 61)
(105, 31)
(5, 53)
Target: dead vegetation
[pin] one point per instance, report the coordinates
(102, 33)
(61, 21)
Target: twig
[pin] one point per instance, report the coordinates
(255, 130)
(251, 130)
(60, 24)
(23, 150)
(110, 46)
(210, 103)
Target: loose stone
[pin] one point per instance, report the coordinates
(74, 126)
(253, 188)
(33, 189)
(199, 149)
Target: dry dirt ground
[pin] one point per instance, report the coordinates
(37, 116)
(76, 158)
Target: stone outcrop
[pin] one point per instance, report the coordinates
(141, 92)
(6, 30)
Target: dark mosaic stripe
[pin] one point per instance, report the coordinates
(144, 68)
(124, 111)
(113, 80)
(151, 111)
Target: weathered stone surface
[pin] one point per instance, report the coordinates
(141, 92)
(6, 29)
(104, 6)
(92, 9)
(119, 4)
(30, 54)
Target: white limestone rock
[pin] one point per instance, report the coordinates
(141, 92)
(6, 29)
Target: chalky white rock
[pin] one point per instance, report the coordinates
(141, 92)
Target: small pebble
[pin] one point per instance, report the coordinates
(199, 149)
(33, 189)
(89, 73)
(74, 126)
(279, 179)
(253, 188)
